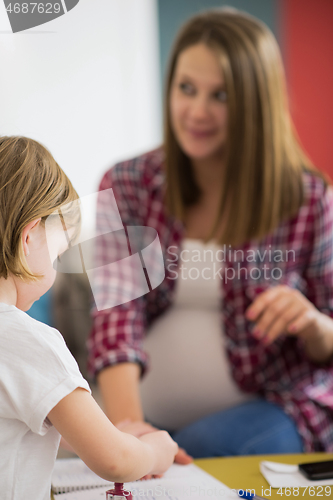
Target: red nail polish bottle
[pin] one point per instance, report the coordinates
(118, 493)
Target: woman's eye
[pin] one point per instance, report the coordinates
(221, 96)
(186, 88)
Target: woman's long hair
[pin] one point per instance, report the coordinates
(264, 160)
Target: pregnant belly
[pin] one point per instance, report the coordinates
(190, 374)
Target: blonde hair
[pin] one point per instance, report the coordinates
(32, 186)
(264, 160)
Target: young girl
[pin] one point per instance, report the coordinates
(42, 392)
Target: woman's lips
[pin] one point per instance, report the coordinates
(200, 134)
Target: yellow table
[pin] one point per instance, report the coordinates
(243, 472)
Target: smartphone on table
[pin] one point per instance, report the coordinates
(317, 470)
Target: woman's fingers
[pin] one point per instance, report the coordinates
(182, 457)
(282, 322)
(280, 310)
(303, 321)
(279, 322)
(273, 316)
(263, 300)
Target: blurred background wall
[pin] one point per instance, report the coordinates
(88, 85)
(306, 37)
(173, 13)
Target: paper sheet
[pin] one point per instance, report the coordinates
(181, 482)
(291, 478)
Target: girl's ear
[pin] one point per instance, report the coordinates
(26, 234)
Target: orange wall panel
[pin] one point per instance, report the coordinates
(307, 39)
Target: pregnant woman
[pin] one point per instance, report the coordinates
(239, 335)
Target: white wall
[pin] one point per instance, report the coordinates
(86, 85)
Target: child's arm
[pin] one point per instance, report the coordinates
(110, 453)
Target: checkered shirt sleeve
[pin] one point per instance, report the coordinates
(117, 333)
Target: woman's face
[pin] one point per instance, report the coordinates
(198, 107)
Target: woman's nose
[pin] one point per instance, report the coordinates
(199, 107)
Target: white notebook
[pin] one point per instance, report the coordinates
(70, 474)
(75, 481)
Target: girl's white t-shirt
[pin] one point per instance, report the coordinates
(36, 371)
(190, 374)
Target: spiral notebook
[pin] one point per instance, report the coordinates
(70, 474)
(73, 480)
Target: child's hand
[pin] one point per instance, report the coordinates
(138, 429)
(164, 450)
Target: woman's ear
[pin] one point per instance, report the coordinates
(26, 234)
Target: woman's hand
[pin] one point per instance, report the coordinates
(283, 310)
(139, 428)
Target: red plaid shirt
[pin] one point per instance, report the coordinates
(281, 373)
